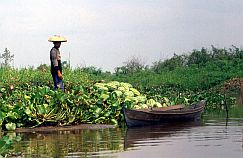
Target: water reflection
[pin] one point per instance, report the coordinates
(95, 143)
(78, 143)
(210, 139)
(154, 135)
(213, 137)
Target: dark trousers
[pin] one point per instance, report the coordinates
(57, 82)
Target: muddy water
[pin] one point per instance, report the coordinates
(212, 137)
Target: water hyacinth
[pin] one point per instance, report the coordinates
(30, 103)
(94, 103)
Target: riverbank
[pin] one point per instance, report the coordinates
(50, 129)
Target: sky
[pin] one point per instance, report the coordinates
(107, 33)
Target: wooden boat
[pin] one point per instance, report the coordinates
(177, 113)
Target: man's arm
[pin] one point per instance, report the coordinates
(55, 63)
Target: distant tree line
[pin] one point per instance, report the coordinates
(198, 58)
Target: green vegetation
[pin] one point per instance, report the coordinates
(94, 96)
(212, 74)
(6, 143)
(78, 143)
(28, 100)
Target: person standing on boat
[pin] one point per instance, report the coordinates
(56, 64)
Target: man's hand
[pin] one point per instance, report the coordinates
(59, 74)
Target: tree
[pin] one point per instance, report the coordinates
(221, 54)
(7, 58)
(135, 64)
(92, 70)
(198, 57)
(170, 64)
(237, 52)
(43, 67)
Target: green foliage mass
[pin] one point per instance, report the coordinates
(200, 74)
(198, 70)
(27, 99)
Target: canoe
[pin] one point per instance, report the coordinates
(179, 113)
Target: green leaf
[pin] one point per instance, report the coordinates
(27, 111)
(104, 96)
(97, 111)
(3, 89)
(10, 126)
(12, 115)
(41, 109)
(2, 115)
(100, 120)
(71, 118)
(107, 114)
(114, 122)
(26, 97)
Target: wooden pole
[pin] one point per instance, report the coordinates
(225, 105)
(241, 91)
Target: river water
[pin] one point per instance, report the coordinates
(212, 137)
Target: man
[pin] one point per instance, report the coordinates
(56, 64)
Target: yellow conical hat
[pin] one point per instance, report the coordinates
(57, 38)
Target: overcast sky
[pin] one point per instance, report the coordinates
(106, 33)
